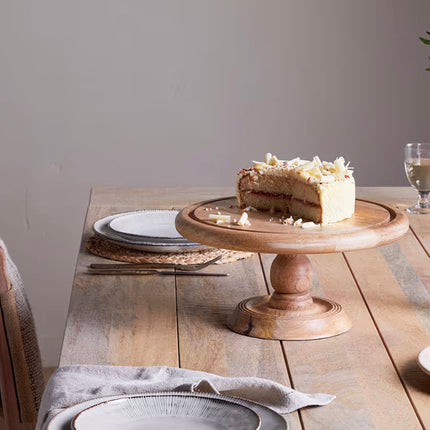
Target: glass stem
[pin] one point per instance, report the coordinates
(423, 199)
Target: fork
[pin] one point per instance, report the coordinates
(134, 266)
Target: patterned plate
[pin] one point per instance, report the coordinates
(270, 420)
(167, 411)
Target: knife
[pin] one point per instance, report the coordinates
(151, 272)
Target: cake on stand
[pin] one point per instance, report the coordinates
(290, 313)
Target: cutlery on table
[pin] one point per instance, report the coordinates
(136, 266)
(151, 272)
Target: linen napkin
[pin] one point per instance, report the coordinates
(70, 385)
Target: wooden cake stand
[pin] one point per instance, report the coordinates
(290, 313)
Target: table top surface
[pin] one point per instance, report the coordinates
(181, 321)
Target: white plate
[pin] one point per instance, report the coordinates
(424, 360)
(101, 227)
(135, 238)
(158, 224)
(270, 420)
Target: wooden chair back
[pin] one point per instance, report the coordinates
(21, 377)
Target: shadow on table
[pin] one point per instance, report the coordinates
(414, 376)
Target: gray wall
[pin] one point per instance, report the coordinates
(186, 92)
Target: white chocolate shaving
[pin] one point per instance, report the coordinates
(298, 223)
(311, 171)
(269, 160)
(218, 218)
(259, 166)
(243, 220)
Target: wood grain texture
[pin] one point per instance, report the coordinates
(401, 198)
(144, 198)
(355, 366)
(399, 302)
(372, 225)
(118, 315)
(290, 312)
(205, 342)
(182, 322)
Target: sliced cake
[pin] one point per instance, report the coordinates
(320, 191)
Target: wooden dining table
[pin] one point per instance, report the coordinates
(180, 321)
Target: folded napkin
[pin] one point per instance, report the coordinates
(70, 385)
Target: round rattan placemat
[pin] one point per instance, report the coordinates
(103, 248)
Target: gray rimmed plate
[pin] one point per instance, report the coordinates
(167, 411)
(270, 420)
(101, 228)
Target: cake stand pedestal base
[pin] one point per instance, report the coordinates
(290, 313)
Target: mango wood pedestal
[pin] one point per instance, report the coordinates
(290, 313)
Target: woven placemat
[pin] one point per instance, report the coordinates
(103, 248)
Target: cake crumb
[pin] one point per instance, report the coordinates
(287, 221)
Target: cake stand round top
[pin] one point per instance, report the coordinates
(373, 224)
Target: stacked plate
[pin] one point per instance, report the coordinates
(145, 230)
(168, 411)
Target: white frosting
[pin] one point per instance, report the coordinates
(310, 171)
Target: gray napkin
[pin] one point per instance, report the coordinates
(70, 385)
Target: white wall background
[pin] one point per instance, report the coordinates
(187, 92)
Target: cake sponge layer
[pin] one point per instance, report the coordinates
(319, 191)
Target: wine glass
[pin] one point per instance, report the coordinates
(417, 167)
